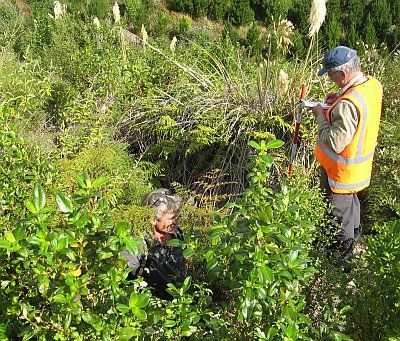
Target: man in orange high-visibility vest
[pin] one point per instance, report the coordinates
(347, 138)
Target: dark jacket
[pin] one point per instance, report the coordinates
(158, 265)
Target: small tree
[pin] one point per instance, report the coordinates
(254, 40)
(242, 13)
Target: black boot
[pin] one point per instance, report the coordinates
(345, 253)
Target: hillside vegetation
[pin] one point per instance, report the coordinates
(97, 109)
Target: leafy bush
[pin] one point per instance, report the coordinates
(21, 167)
(261, 253)
(127, 183)
(66, 281)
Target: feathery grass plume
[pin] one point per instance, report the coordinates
(317, 16)
(172, 45)
(286, 28)
(96, 22)
(59, 10)
(283, 83)
(145, 37)
(116, 13)
(283, 33)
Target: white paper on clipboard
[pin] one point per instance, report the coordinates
(312, 104)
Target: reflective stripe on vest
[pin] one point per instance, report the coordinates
(348, 187)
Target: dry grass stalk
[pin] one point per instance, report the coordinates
(317, 16)
(116, 13)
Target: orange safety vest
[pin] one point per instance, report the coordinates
(350, 170)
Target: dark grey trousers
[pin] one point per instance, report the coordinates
(346, 208)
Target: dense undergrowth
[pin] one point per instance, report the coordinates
(90, 122)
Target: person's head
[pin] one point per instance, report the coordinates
(166, 210)
(341, 64)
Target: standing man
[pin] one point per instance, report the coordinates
(347, 137)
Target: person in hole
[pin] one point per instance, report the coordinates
(159, 263)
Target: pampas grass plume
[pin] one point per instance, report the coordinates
(116, 13)
(145, 37)
(173, 44)
(96, 22)
(59, 10)
(283, 83)
(317, 16)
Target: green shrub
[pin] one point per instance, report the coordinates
(260, 252)
(63, 278)
(11, 24)
(242, 13)
(219, 9)
(24, 90)
(21, 167)
(127, 182)
(376, 302)
(254, 39)
(184, 25)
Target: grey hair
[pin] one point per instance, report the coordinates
(353, 65)
(163, 202)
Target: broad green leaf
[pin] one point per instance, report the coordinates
(291, 332)
(64, 203)
(4, 244)
(132, 245)
(99, 182)
(84, 181)
(265, 273)
(188, 252)
(169, 323)
(254, 145)
(123, 308)
(59, 298)
(216, 232)
(128, 333)
(82, 220)
(244, 311)
(140, 314)
(39, 197)
(31, 206)
(187, 282)
(138, 300)
(105, 255)
(293, 256)
(188, 330)
(20, 233)
(122, 229)
(271, 333)
(274, 144)
(93, 320)
(10, 237)
(174, 242)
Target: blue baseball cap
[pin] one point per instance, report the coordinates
(336, 57)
